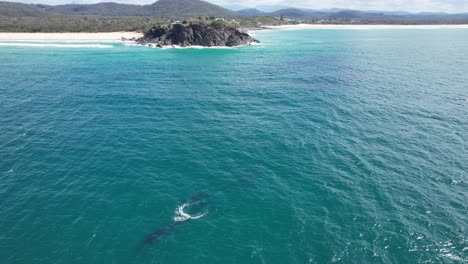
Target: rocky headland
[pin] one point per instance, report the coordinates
(217, 33)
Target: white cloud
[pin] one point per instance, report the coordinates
(452, 6)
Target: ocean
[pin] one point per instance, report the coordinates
(318, 146)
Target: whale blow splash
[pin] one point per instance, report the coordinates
(182, 216)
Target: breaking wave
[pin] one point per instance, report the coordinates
(53, 45)
(167, 47)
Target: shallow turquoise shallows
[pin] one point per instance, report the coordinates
(319, 146)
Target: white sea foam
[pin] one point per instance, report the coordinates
(182, 216)
(155, 46)
(131, 44)
(202, 47)
(255, 44)
(453, 257)
(192, 47)
(55, 45)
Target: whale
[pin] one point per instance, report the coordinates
(180, 218)
(198, 198)
(158, 234)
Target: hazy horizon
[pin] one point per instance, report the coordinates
(413, 6)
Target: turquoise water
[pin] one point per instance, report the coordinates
(319, 146)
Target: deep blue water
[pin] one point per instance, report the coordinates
(319, 146)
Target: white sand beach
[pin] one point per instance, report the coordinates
(69, 37)
(117, 36)
(325, 26)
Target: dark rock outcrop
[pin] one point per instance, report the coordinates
(196, 34)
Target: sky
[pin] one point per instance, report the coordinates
(450, 6)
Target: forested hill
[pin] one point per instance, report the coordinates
(101, 9)
(174, 9)
(188, 8)
(8, 9)
(108, 17)
(343, 16)
(180, 9)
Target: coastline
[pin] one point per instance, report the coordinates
(69, 37)
(328, 26)
(118, 36)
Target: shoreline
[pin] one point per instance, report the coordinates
(68, 37)
(329, 26)
(119, 36)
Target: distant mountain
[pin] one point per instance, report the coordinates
(275, 8)
(20, 10)
(236, 7)
(163, 9)
(101, 9)
(272, 8)
(347, 14)
(368, 16)
(187, 9)
(291, 13)
(251, 12)
(180, 9)
(390, 13)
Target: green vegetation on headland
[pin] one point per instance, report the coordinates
(107, 17)
(111, 17)
(76, 24)
(106, 24)
(170, 9)
(259, 21)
